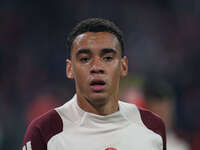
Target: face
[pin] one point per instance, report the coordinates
(96, 66)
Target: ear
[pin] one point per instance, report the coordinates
(69, 72)
(124, 66)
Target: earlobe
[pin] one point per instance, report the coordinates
(69, 72)
(124, 66)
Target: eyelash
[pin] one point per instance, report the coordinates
(84, 59)
(106, 59)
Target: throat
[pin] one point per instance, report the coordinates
(103, 109)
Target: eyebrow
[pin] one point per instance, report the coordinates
(108, 50)
(103, 51)
(83, 51)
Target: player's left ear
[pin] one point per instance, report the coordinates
(124, 66)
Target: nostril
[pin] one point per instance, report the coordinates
(97, 71)
(101, 71)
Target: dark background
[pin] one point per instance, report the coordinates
(162, 38)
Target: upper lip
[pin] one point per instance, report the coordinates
(97, 81)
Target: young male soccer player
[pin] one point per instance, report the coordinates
(94, 119)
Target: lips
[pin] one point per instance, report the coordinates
(97, 85)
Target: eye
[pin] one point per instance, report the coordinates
(108, 58)
(84, 59)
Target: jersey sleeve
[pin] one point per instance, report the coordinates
(41, 130)
(154, 123)
(33, 139)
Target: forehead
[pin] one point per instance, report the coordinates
(95, 40)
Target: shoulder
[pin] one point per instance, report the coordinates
(145, 118)
(42, 129)
(154, 123)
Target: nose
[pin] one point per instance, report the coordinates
(97, 67)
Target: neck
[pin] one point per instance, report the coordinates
(107, 108)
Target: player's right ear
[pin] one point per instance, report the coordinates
(69, 72)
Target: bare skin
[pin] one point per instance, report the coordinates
(96, 66)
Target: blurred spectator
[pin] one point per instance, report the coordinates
(188, 119)
(40, 105)
(160, 100)
(131, 90)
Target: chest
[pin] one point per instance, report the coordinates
(127, 138)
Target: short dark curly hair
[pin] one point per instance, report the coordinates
(95, 25)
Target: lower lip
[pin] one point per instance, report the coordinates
(97, 87)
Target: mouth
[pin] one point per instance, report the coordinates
(97, 85)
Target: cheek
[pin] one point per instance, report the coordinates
(114, 72)
(116, 68)
(80, 74)
(81, 80)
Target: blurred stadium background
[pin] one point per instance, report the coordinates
(162, 39)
